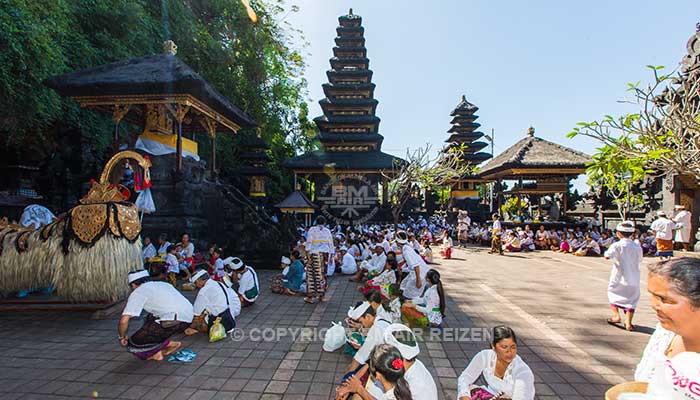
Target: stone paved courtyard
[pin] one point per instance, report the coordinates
(556, 303)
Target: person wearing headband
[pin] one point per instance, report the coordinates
(366, 316)
(663, 230)
(169, 312)
(245, 281)
(214, 300)
(417, 375)
(623, 286)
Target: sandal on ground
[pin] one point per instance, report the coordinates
(612, 321)
(309, 300)
(631, 328)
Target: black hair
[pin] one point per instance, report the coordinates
(373, 296)
(383, 360)
(434, 277)
(163, 236)
(320, 220)
(296, 254)
(171, 248)
(626, 234)
(502, 332)
(683, 275)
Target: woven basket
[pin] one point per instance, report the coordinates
(627, 387)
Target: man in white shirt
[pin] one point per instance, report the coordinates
(663, 230)
(366, 316)
(348, 264)
(214, 300)
(169, 312)
(374, 265)
(419, 379)
(245, 280)
(496, 230)
(683, 220)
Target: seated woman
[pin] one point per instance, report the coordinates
(429, 309)
(541, 239)
(554, 239)
(576, 244)
(512, 243)
(427, 253)
(605, 241)
(590, 248)
(386, 366)
(505, 373)
(675, 297)
(382, 281)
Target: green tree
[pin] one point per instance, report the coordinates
(617, 177)
(254, 65)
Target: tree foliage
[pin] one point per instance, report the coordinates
(424, 171)
(254, 65)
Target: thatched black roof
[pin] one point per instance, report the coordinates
(534, 152)
(340, 160)
(160, 74)
(296, 199)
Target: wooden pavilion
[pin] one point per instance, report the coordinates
(539, 167)
(160, 93)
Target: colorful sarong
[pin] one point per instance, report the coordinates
(664, 248)
(278, 284)
(413, 317)
(480, 394)
(153, 337)
(315, 276)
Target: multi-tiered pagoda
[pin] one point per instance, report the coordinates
(346, 171)
(464, 138)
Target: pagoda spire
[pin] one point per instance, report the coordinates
(464, 132)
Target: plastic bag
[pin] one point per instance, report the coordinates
(144, 202)
(217, 331)
(335, 337)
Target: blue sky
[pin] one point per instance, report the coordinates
(548, 64)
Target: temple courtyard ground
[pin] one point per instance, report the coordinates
(556, 303)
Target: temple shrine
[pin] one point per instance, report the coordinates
(346, 172)
(464, 138)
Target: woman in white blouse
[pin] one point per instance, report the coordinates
(674, 286)
(506, 374)
(429, 309)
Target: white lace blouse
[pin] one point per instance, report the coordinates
(654, 354)
(518, 383)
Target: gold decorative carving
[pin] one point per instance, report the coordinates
(88, 221)
(178, 111)
(157, 120)
(120, 110)
(129, 221)
(209, 125)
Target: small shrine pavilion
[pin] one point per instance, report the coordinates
(346, 171)
(464, 138)
(160, 93)
(539, 167)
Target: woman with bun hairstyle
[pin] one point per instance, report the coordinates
(386, 366)
(429, 309)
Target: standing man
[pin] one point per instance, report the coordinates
(319, 241)
(463, 223)
(414, 283)
(663, 230)
(683, 221)
(623, 287)
(169, 312)
(214, 300)
(496, 231)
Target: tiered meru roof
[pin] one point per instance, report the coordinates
(349, 129)
(464, 133)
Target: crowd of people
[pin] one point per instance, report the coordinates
(399, 290)
(592, 241)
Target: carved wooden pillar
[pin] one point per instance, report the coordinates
(178, 111)
(210, 126)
